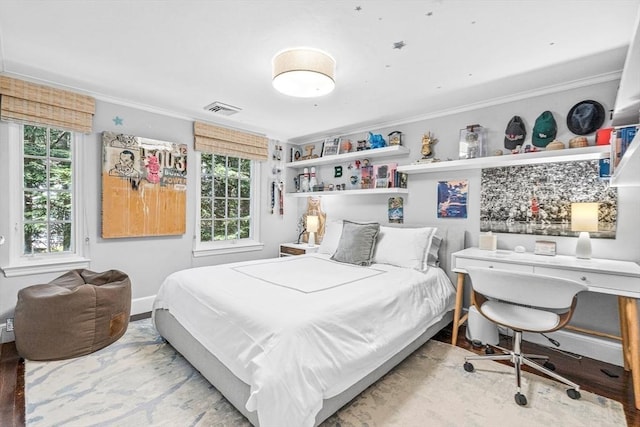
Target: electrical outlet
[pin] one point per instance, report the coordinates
(10, 324)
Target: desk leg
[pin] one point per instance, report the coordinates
(456, 314)
(624, 332)
(633, 345)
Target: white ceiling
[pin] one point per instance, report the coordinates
(179, 56)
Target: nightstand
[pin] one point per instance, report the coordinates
(291, 249)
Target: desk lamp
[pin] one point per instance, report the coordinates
(584, 218)
(313, 223)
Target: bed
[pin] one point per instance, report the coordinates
(288, 341)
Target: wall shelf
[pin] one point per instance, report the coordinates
(357, 192)
(390, 151)
(553, 156)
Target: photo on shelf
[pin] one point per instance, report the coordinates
(331, 147)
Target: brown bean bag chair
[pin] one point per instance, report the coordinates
(76, 314)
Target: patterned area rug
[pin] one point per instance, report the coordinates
(140, 380)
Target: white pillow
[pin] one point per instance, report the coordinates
(332, 233)
(404, 247)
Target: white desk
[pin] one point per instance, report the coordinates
(606, 276)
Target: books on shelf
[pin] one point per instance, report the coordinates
(620, 140)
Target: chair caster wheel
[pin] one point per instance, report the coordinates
(489, 350)
(468, 367)
(521, 399)
(550, 366)
(573, 393)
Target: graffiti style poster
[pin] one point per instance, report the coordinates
(452, 198)
(144, 186)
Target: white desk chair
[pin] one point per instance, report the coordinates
(524, 302)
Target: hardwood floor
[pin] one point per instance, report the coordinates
(584, 371)
(588, 373)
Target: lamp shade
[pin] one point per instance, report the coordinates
(584, 216)
(304, 72)
(313, 223)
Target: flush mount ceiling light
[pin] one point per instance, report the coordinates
(304, 72)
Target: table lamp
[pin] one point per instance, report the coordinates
(313, 224)
(584, 218)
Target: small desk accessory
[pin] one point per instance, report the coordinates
(488, 241)
(545, 247)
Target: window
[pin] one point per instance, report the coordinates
(227, 214)
(47, 195)
(43, 185)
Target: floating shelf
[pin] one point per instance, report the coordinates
(552, 156)
(359, 192)
(391, 151)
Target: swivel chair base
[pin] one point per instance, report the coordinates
(516, 357)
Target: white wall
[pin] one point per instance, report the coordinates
(597, 312)
(147, 260)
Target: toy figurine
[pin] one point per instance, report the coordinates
(427, 141)
(376, 140)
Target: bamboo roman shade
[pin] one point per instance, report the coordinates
(229, 142)
(42, 105)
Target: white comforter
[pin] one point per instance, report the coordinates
(305, 328)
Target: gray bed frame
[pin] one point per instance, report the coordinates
(237, 392)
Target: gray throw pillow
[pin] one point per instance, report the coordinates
(356, 243)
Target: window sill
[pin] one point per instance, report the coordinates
(42, 266)
(227, 248)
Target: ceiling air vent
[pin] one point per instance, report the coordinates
(221, 108)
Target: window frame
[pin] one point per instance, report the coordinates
(222, 247)
(20, 264)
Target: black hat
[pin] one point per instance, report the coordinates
(515, 133)
(585, 117)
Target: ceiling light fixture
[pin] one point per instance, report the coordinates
(304, 72)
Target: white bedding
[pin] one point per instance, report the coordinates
(306, 330)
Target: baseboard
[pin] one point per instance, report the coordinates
(142, 305)
(586, 345)
(4, 335)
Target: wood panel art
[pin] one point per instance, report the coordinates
(144, 186)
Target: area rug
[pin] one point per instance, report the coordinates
(141, 380)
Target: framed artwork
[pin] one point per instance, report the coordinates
(144, 186)
(536, 199)
(331, 147)
(452, 198)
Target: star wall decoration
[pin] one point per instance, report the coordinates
(399, 45)
(118, 120)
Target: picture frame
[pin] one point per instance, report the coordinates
(331, 147)
(545, 247)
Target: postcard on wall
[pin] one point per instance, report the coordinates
(144, 186)
(396, 210)
(452, 198)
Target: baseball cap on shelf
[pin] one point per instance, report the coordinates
(544, 130)
(585, 117)
(515, 133)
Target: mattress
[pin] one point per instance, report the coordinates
(301, 329)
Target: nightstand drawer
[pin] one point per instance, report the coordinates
(468, 262)
(287, 250)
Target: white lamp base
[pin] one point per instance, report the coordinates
(312, 238)
(583, 247)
